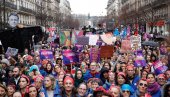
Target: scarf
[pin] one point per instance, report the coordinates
(153, 88)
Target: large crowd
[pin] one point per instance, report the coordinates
(26, 75)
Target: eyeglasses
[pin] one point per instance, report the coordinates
(161, 78)
(141, 84)
(126, 91)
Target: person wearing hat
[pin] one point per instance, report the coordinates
(127, 90)
(161, 79)
(132, 77)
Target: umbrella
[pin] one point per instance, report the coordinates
(150, 43)
(160, 38)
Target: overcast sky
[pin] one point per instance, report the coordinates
(94, 7)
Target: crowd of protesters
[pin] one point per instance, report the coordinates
(26, 75)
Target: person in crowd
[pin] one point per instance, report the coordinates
(24, 82)
(120, 79)
(143, 74)
(107, 65)
(167, 73)
(3, 91)
(166, 90)
(68, 89)
(78, 77)
(49, 68)
(141, 89)
(82, 90)
(23, 66)
(131, 76)
(61, 74)
(153, 86)
(101, 92)
(93, 73)
(111, 81)
(57, 70)
(96, 82)
(16, 77)
(17, 94)
(84, 68)
(161, 79)
(115, 91)
(49, 86)
(4, 71)
(127, 90)
(10, 89)
(59, 61)
(33, 72)
(38, 82)
(33, 92)
(104, 75)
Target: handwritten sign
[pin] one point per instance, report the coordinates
(11, 51)
(46, 54)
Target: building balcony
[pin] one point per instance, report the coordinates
(10, 5)
(23, 9)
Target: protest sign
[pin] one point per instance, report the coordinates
(107, 38)
(11, 51)
(68, 57)
(65, 38)
(125, 46)
(140, 60)
(93, 39)
(159, 67)
(94, 55)
(46, 54)
(106, 51)
(83, 40)
(135, 42)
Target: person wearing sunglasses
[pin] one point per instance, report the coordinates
(127, 90)
(142, 89)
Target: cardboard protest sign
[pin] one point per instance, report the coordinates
(125, 46)
(46, 54)
(107, 38)
(83, 40)
(11, 51)
(135, 42)
(159, 67)
(106, 51)
(93, 39)
(94, 55)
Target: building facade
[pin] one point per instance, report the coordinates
(30, 12)
(152, 15)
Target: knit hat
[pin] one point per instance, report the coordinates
(127, 87)
(5, 61)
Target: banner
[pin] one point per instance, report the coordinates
(76, 34)
(106, 51)
(46, 54)
(93, 39)
(159, 67)
(94, 55)
(11, 51)
(135, 42)
(125, 46)
(68, 57)
(83, 40)
(65, 38)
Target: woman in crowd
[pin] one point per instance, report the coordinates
(104, 76)
(68, 89)
(78, 77)
(49, 68)
(120, 79)
(3, 91)
(10, 89)
(153, 86)
(57, 70)
(17, 94)
(143, 74)
(115, 91)
(127, 90)
(111, 81)
(82, 90)
(24, 82)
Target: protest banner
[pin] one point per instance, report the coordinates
(37, 47)
(83, 40)
(125, 46)
(11, 51)
(107, 38)
(140, 60)
(106, 51)
(46, 54)
(65, 38)
(94, 55)
(135, 42)
(159, 67)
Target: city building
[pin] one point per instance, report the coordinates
(149, 15)
(30, 12)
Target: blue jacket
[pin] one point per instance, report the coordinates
(157, 94)
(88, 75)
(134, 82)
